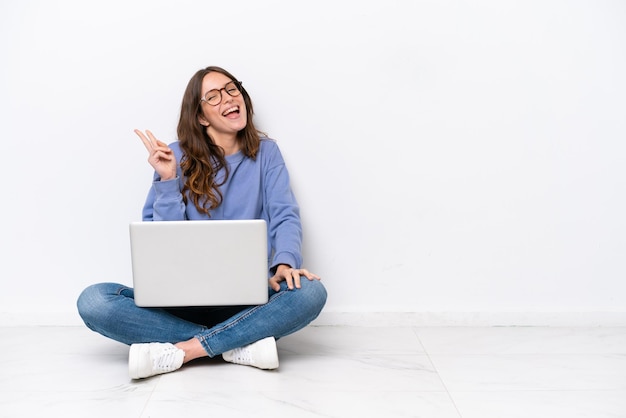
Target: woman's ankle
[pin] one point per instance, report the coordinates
(193, 349)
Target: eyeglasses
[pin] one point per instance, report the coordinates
(214, 97)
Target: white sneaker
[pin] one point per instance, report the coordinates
(145, 360)
(261, 354)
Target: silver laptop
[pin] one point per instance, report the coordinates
(199, 263)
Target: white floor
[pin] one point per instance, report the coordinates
(329, 372)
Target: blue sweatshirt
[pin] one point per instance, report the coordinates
(255, 189)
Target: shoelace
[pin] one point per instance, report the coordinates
(242, 354)
(165, 361)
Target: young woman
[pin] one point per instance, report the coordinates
(221, 167)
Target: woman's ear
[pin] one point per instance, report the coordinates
(202, 120)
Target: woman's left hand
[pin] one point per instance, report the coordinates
(291, 276)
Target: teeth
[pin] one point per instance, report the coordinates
(231, 110)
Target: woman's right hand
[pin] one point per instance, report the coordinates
(161, 157)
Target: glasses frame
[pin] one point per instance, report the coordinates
(238, 85)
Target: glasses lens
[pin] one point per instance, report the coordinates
(213, 97)
(232, 89)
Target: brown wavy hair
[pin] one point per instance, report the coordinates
(202, 158)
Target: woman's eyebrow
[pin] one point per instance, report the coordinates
(216, 88)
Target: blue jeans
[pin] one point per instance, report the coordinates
(109, 309)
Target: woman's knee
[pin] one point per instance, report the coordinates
(314, 295)
(94, 299)
(320, 291)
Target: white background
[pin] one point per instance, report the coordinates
(449, 156)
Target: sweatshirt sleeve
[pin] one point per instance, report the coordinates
(165, 200)
(283, 212)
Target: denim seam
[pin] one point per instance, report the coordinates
(203, 338)
(121, 289)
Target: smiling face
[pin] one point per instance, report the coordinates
(225, 119)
